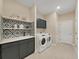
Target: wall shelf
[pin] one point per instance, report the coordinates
(16, 19)
(22, 28)
(14, 29)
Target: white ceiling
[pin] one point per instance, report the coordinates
(28, 3)
(48, 6)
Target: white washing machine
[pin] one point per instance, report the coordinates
(43, 41)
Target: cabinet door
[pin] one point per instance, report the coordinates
(10, 52)
(27, 47)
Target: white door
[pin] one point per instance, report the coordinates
(66, 31)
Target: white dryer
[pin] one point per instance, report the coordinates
(49, 40)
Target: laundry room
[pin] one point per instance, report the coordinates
(38, 29)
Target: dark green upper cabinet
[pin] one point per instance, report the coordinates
(41, 23)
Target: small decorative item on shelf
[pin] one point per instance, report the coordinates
(12, 26)
(27, 27)
(18, 17)
(12, 17)
(23, 18)
(21, 26)
(24, 33)
(15, 26)
(18, 26)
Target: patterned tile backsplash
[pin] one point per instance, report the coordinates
(15, 33)
(14, 28)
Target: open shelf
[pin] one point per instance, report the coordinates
(11, 18)
(16, 29)
(12, 27)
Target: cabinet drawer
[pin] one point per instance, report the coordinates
(7, 45)
(26, 41)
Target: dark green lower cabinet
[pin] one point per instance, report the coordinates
(17, 50)
(26, 48)
(10, 53)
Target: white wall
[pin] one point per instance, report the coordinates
(14, 8)
(52, 25)
(39, 15)
(32, 13)
(1, 6)
(66, 27)
(65, 22)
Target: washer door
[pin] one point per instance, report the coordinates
(43, 41)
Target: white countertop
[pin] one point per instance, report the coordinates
(15, 39)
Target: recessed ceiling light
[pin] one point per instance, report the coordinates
(58, 7)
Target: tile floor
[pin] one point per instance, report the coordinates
(56, 51)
